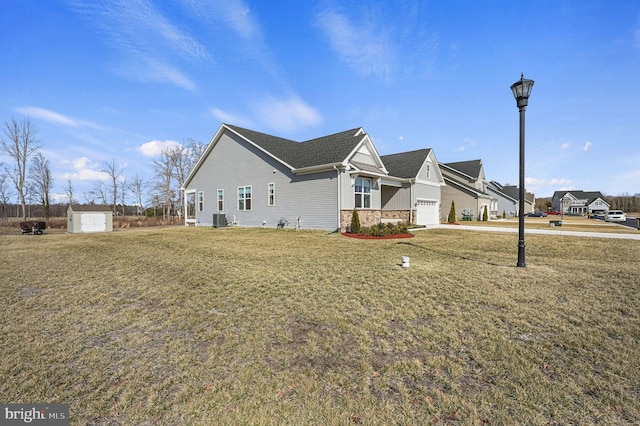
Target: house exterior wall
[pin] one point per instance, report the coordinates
(463, 201)
(234, 163)
(396, 198)
(505, 205)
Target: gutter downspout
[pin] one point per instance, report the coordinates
(339, 197)
(411, 202)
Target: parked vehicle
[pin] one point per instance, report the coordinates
(536, 214)
(553, 212)
(615, 216)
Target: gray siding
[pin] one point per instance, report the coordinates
(233, 163)
(394, 198)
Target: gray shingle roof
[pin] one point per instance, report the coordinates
(470, 168)
(90, 208)
(314, 152)
(405, 165)
(581, 195)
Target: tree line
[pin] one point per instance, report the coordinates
(28, 176)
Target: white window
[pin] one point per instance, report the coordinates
(271, 190)
(428, 170)
(244, 198)
(200, 201)
(363, 193)
(220, 200)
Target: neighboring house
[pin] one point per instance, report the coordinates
(579, 202)
(508, 198)
(89, 218)
(256, 179)
(467, 187)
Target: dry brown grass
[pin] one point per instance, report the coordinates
(253, 326)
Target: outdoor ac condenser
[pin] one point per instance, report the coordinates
(219, 220)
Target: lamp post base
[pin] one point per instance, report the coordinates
(521, 262)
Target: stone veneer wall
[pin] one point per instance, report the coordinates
(371, 217)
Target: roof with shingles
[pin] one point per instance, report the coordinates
(90, 208)
(470, 168)
(405, 165)
(329, 149)
(580, 195)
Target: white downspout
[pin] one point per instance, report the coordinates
(411, 202)
(339, 196)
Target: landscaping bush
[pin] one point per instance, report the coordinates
(452, 213)
(384, 229)
(354, 228)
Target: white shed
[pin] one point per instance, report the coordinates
(89, 218)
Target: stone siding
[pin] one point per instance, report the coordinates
(371, 217)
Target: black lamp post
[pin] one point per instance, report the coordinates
(521, 91)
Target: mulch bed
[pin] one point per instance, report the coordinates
(371, 237)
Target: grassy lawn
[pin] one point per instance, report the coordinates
(255, 326)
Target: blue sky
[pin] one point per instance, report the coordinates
(120, 79)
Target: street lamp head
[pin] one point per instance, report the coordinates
(521, 90)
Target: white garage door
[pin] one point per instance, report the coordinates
(427, 212)
(93, 222)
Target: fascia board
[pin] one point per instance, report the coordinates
(372, 148)
(317, 169)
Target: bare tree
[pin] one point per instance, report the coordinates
(20, 146)
(137, 188)
(163, 168)
(123, 194)
(68, 190)
(114, 171)
(5, 193)
(99, 191)
(184, 159)
(41, 180)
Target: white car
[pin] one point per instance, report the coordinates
(615, 216)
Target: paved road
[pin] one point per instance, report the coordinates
(550, 231)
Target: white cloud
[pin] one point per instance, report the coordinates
(561, 183)
(364, 46)
(287, 114)
(83, 169)
(56, 118)
(586, 146)
(564, 146)
(154, 148)
(228, 118)
(401, 138)
(460, 148)
(150, 43)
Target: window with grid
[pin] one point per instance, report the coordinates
(244, 198)
(363, 193)
(220, 200)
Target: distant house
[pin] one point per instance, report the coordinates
(467, 187)
(579, 202)
(255, 179)
(508, 197)
(89, 218)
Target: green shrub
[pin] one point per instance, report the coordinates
(355, 223)
(384, 229)
(504, 214)
(485, 214)
(452, 213)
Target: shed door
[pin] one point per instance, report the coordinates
(427, 212)
(93, 222)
